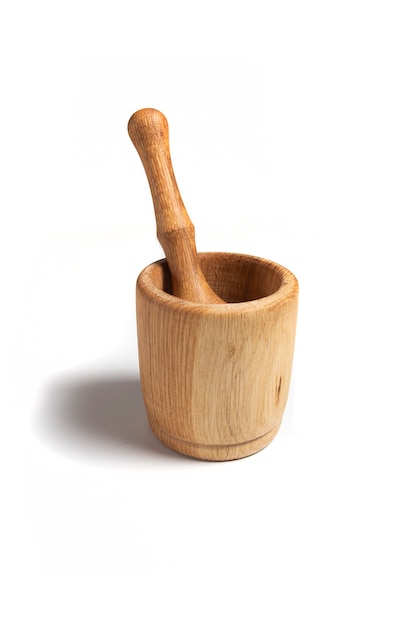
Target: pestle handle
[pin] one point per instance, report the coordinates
(148, 130)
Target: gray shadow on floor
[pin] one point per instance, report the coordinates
(102, 416)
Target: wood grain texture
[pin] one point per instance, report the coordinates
(215, 378)
(148, 130)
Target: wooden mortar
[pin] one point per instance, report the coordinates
(215, 377)
(215, 358)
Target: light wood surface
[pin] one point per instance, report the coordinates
(148, 130)
(215, 377)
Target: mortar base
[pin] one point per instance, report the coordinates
(206, 452)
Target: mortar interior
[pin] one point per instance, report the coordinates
(234, 277)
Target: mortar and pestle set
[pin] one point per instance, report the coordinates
(216, 330)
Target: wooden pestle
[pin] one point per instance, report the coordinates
(148, 130)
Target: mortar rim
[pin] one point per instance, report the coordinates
(287, 289)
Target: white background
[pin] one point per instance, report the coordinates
(293, 136)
